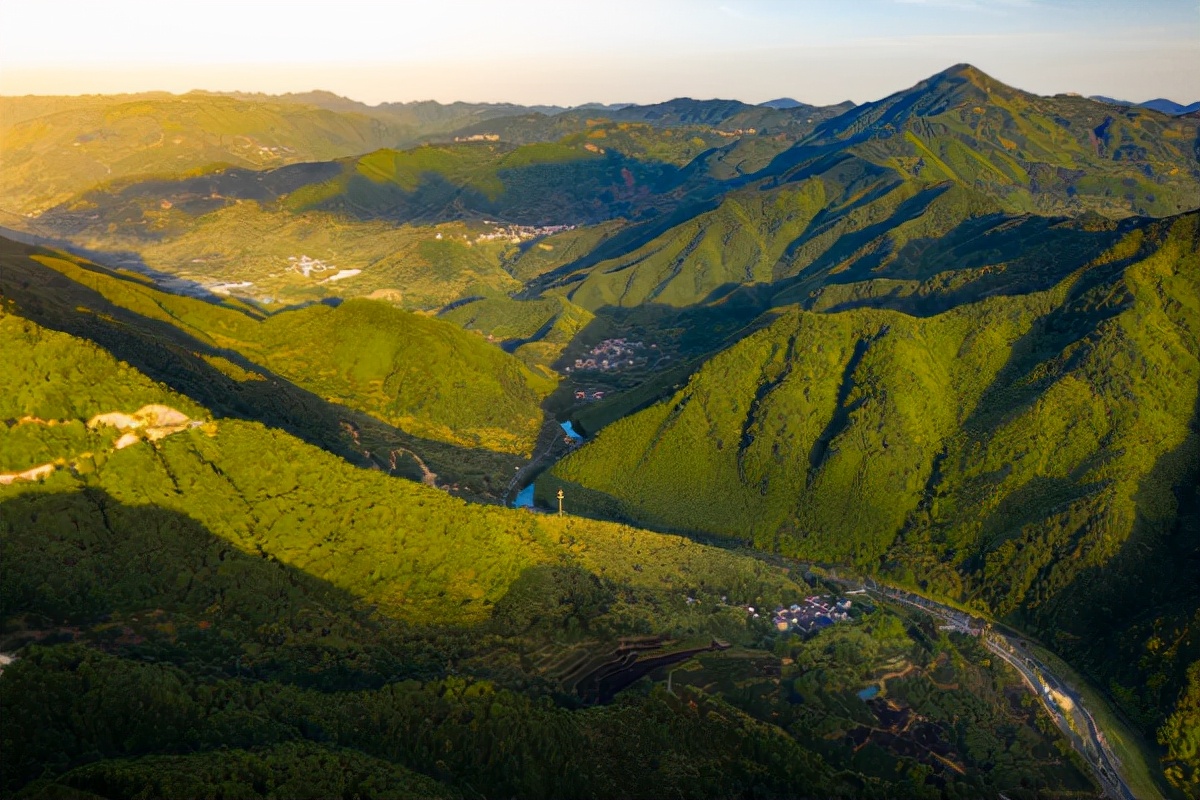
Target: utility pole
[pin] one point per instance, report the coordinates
(560, 498)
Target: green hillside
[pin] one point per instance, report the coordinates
(258, 252)
(869, 194)
(53, 156)
(422, 375)
(285, 623)
(534, 184)
(1006, 453)
(848, 235)
(738, 243)
(1050, 154)
(536, 331)
(273, 365)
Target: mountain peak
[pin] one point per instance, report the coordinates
(783, 103)
(963, 69)
(968, 73)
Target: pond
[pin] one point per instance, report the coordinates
(524, 498)
(869, 692)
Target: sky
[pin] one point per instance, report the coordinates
(568, 52)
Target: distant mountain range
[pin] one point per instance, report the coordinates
(1159, 104)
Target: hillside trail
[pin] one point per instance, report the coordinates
(428, 476)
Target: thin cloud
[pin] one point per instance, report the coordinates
(998, 7)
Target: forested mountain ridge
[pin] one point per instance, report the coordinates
(1036, 455)
(52, 157)
(405, 369)
(856, 186)
(284, 623)
(1049, 154)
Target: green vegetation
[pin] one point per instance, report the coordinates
(50, 157)
(852, 336)
(281, 621)
(535, 331)
(1004, 453)
(420, 374)
(423, 375)
(1181, 735)
(739, 243)
(407, 266)
(1052, 154)
(543, 184)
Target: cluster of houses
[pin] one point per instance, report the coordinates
(479, 137)
(612, 354)
(814, 613)
(589, 395)
(520, 233)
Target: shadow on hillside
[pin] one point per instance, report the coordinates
(993, 255)
(123, 260)
(155, 584)
(623, 242)
(478, 180)
(1103, 618)
(171, 356)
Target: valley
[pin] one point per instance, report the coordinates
(875, 429)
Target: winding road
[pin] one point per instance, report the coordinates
(1071, 717)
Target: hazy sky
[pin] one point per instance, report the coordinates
(566, 52)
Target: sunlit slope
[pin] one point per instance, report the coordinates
(819, 433)
(287, 623)
(232, 561)
(262, 490)
(536, 331)
(871, 194)
(426, 376)
(51, 157)
(1050, 154)
(848, 233)
(414, 552)
(737, 243)
(1036, 455)
(414, 267)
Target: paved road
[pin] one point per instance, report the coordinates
(1086, 738)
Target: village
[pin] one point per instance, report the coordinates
(516, 234)
(813, 614)
(613, 354)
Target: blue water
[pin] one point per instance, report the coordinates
(570, 430)
(524, 498)
(869, 692)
